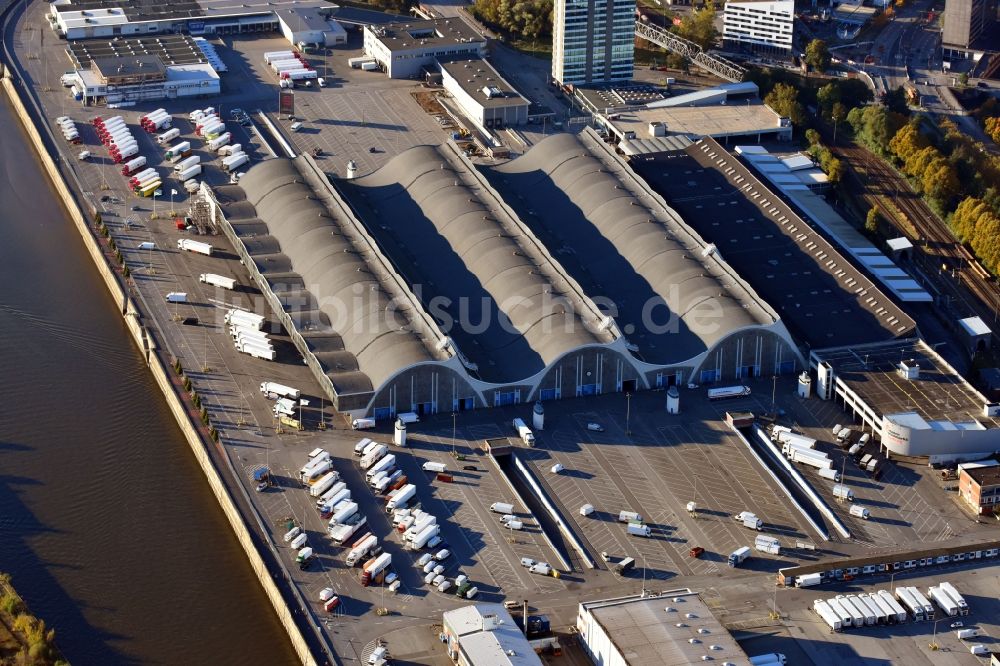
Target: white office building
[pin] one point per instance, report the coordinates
(759, 25)
(593, 41)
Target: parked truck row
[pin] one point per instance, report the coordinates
(246, 330)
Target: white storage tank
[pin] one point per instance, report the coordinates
(538, 416)
(805, 385)
(399, 435)
(673, 400)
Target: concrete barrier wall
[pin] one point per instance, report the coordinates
(160, 371)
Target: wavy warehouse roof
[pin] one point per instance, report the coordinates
(448, 234)
(621, 242)
(345, 286)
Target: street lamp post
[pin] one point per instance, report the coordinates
(628, 414)
(933, 644)
(454, 416)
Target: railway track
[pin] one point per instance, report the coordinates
(968, 284)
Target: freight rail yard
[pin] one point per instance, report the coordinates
(649, 497)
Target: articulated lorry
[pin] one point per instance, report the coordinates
(341, 534)
(361, 548)
(189, 245)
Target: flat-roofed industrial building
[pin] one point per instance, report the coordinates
(673, 628)
(302, 21)
(406, 50)
(979, 486)
(486, 635)
(483, 94)
(915, 402)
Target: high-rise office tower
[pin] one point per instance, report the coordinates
(593, 41)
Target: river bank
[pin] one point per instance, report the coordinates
(24, 638)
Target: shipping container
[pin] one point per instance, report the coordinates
(151, 189)
(233, 162)
(168, 136)
(219, 281)
(133, 165)
(823, 609)
(187, 163)
(189, 173)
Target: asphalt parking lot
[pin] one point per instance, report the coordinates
(805, 638)
(907, 503)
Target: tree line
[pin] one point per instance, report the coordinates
(525, 19)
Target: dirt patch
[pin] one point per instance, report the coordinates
(9, 647)
(428, 102)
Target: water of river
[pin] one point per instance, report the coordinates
(106, 522)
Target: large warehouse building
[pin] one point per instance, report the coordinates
(431, 285)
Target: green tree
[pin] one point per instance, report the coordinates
(963, 79)
(783, 98)
(907, 141)
(676, 61)
(986, 240)
(872, 220)
(837, 114)
(940, 182)
(817, 55)
(965, 217)
(812, 136)
(826, 97)
(699, 27)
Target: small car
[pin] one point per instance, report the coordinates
(326, 594)
(442, 554)
(444, 586)
(437, 580)
(424, 559)
(373, 149)
(430, 566)
(390, 578)
(956, 625)
(434, 542)
(429, 578)
(595, 427)
(697, 551)
(439, 569)
(528, 562)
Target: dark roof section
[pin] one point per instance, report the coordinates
(358, 16)
(417, 34)
(984, 476)
(820, 296)
(136, 10)
(461, 251)
(170, 49)
(623, 245)
(367, 332)
(938, 393)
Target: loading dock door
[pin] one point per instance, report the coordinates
(629, 386)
